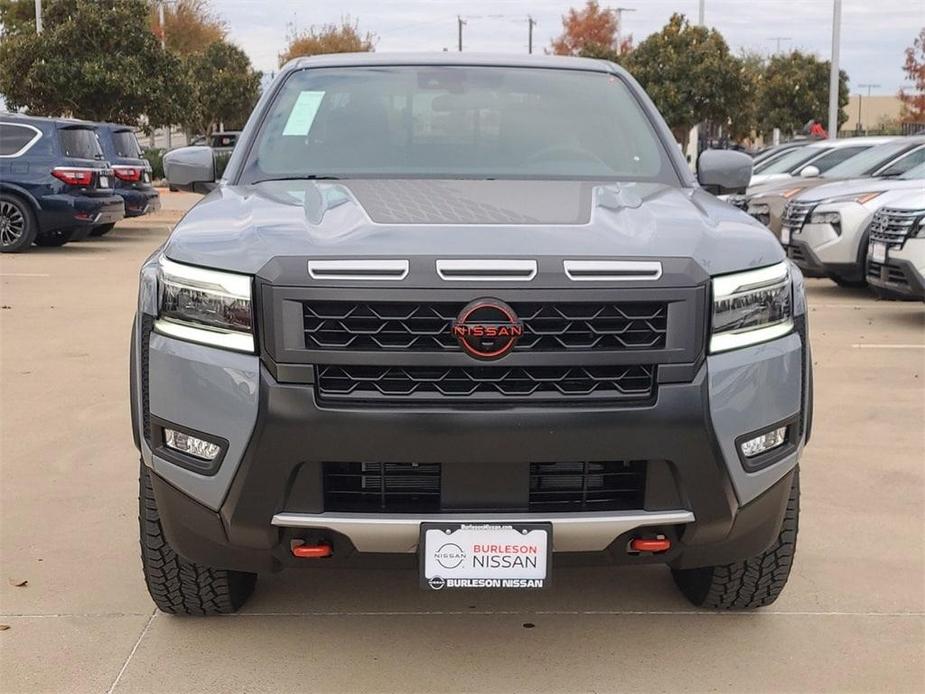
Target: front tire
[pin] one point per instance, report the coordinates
(179, 586)
(17, 224)
(755, 582)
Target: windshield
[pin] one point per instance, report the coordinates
(792, 160)
(80, 143)
(125, 144)
(914, 174)
(457, 122)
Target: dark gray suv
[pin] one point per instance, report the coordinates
(471, 315)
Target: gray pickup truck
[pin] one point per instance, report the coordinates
(474, 316)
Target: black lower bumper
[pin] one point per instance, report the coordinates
(482, 454)
(79, 211)
(897, 276)
(810, 265)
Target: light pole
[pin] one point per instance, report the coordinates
(618, 11)
(701, 12)
(460, 22)
(531, 22)
(861, 99)
(834, 74)
(38, 16)
(779, 39)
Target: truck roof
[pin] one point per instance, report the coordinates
(447, 58)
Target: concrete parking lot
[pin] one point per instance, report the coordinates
(79, 619)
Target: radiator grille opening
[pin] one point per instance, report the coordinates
(487, 383)
(587, 486)
(377, 487)
(427, 327)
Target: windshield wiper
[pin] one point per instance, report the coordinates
(306, 177)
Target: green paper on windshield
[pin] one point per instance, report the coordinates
(303, 113)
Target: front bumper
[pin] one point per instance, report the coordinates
(268, 490)
(903, 273)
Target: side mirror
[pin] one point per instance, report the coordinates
(723, 171)
(190, 168)
(809, 172)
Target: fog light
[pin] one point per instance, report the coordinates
(764, 443)
(190, 445)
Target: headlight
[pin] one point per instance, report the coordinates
(760, 211)
(859, 198)
(205, 306)
(833, 218)
(751, 307)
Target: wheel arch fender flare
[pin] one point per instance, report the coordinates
(20, 192)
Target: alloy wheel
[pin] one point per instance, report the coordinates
(12, 223)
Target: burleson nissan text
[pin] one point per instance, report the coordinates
(441, 308)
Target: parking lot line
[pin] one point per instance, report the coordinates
(900, 346)
(24, 274)
(131, 654)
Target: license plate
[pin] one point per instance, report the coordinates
(878, 252)
(103, 182)
(478, 555)
(785, 236)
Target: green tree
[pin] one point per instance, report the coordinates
(743, 115)
(329, 38)
(225, 88)
(795, 90)
(689, 73)
(93, 60)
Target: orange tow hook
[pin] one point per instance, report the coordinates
(318, 551)
(654, 544)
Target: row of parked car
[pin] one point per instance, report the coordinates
(852, 210)
(63, 180)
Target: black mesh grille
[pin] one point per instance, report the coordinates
(393, 487)
(426, 327)
(610, 486)
(485, 383)
(147, 326)
(886, 272)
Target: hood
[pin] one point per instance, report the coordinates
(856, 186)
(242, 228)
(779, 187)
(762, 179)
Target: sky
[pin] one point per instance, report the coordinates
(874, 32)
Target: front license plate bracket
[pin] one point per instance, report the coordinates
(485, 555)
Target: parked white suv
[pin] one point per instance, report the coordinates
(896, 252)
(824, 229)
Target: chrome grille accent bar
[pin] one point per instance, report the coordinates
(487, 270)
(612, 270)
(358, 269)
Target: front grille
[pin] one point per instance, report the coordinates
(740, 201)
(416, 487)
(426, 327)
(892, 226)
(610, 486)
(147, 327)
(887, 273)
(390, 487)
(485, 383)
(795, 214)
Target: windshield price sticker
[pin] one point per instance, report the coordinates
(460, 555)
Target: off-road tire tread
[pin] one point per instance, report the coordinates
(176, 585)
(755, 582)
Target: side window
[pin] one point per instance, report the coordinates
(836, 156)
(15, 140)
(910, 161)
